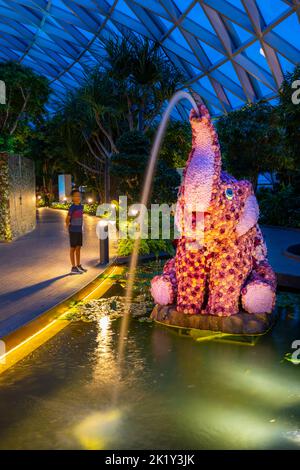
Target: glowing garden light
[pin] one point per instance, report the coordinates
(133, 212)
(102, 234)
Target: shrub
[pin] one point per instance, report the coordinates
(125, 247)
(147, 246)
(61, 205)
(128, 167)
(281, 207)
(251, 141)
(87, 208)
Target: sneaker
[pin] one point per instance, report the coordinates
(83, 270)
(75, 270)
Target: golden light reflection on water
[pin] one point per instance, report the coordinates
(97, 430)
(104, 324)
(104, 370)
(231, 425)
(265, 384)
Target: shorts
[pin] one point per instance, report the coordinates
(75, 239)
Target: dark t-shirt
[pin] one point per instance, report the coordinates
(76, 218)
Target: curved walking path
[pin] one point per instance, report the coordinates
(35, 269)
(278, 239)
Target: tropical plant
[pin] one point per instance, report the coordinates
(127, 94)
(129, 167)
(280, 206)
(156, 247)
(26, 96)
(129, 164)
(90, 209)
(176, 144)
(289, 117)
(144, 77)
(251, 141)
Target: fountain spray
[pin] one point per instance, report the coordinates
(178, 96)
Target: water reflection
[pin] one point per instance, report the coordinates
(96, 431)
(174, 392)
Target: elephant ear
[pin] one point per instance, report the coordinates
(249, 216)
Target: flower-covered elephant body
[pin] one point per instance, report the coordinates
(221, 255)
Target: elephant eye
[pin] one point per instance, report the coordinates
(229, 193)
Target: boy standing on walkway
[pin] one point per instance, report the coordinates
(74, 221)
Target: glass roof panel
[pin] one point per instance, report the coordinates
(178, 37)
(242, 33)
(206, 83)
(57, 38)
(198, 15)
(229, 71)
(256, 53)
(234, 100)
(286, 65)
(183, 5)
(213, 55)
(289, 30)
(271, 9)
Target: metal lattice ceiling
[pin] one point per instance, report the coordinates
(232, 51)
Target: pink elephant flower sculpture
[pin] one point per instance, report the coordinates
(221, 258)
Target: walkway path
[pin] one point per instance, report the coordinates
(35, 269)
(287, 269)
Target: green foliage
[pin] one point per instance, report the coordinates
(61, 205)
(289, 116)
(176, 144)
(166, 183)
(129, 167)
(46, 148)
(125, 247)
(41, 202)
(90, 208)
(279, 207)
(5, 229)
(87, 208)
(143, 75)
(251, 141)
(288, 301)
(26, 96)
(147, 246)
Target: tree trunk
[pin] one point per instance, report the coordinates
(130, 116)
(141, 120)
(107, 180)
(254, 181)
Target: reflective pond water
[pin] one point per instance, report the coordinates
(175, 392)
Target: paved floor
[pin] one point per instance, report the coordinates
(287, 269)
(35, 269)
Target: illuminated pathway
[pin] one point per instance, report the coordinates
(35, 269)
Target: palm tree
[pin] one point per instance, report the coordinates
(90, 123)
(144, 75)
(127, 95)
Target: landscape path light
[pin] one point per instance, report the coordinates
(102, 234)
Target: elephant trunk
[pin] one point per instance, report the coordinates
(202, 172)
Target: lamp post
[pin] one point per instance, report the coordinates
(102, 234)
